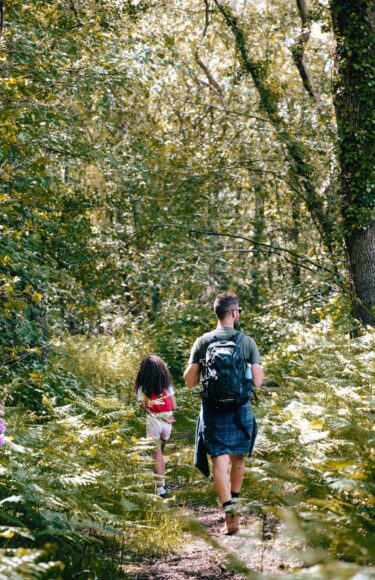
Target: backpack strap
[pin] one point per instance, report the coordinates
(238, 338)
(239, 423)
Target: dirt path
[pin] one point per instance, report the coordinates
(262, 546)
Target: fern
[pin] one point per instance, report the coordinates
(81, 473)
(319, 437)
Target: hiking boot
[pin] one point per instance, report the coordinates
(231, 524)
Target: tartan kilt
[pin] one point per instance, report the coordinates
(220, 433)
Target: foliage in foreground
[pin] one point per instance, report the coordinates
(76, 485)
(314, 457)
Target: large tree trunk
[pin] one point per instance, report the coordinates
(361, 253)
(354, 98)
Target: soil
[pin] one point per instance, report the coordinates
(261, 548)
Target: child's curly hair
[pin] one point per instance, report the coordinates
(153, 376)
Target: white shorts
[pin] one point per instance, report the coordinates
(157, 428)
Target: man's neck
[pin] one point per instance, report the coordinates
(224, 324)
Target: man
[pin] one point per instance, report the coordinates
(228, 435)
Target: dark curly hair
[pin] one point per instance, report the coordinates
(153, 376)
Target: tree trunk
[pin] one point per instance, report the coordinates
(295, 237)
(361, 253)
(354, 98)
(258, 236)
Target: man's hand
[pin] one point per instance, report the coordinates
(192, 375)
(257, 373)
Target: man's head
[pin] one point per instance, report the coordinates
(227, 308)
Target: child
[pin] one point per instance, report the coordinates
(156, 395)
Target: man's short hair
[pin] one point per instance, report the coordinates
(224, 303)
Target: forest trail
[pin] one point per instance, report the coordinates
(261, 546)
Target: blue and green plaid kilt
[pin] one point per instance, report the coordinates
(220, 433)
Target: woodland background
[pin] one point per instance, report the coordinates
(153, 154)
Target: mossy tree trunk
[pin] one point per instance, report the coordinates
(354, 98)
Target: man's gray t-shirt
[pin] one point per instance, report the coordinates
(249, 349)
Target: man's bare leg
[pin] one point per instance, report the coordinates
(220, 467)
(237, 472)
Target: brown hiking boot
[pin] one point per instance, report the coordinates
(231, 524)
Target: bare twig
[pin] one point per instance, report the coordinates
(207, 17)
(212, 81)
(298, 50)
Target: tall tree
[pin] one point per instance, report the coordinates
(354, 97)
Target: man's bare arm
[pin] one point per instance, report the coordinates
(257, 372)
(192, 375)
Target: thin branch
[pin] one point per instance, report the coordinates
(298, 50)
(298, 156)
(302, 265)
(270, 247)
(211, 80)
(268, 252)
(64, 152)
(207, 17)
(231, 111)
(1, 17)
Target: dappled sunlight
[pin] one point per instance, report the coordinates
(154, 155)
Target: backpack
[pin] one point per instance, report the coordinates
(224, 373)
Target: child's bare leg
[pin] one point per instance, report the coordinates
(159, 467)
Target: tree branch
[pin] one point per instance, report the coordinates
(298, 50)
(271, 248)
(231, 111)
(211, 80)
(207, 17)
(1, 17)
(298, 157)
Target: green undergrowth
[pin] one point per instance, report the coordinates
(76, 485)
(313, 463)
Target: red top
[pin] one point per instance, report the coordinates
(162, 406)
